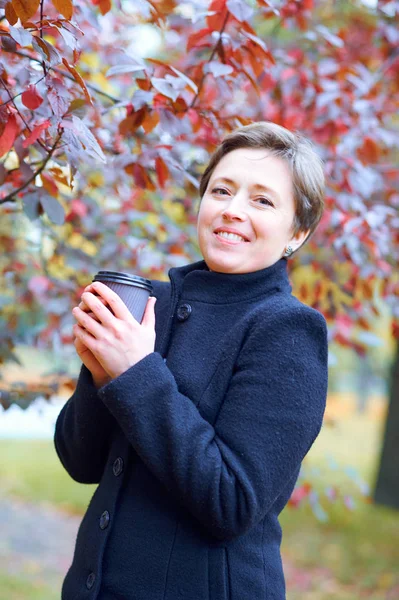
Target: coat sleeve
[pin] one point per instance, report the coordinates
(229, 475)
(83, 431)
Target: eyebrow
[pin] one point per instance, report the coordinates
(256, 186)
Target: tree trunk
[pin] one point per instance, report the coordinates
(387, 486)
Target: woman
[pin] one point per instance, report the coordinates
(195, 422)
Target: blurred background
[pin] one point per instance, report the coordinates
(109, 112)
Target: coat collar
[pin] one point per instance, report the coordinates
(197, 282)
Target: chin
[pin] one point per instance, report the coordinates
(223, 266)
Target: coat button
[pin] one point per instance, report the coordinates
(90, 581)
(184, 311)
(117, 467)
(104, 519)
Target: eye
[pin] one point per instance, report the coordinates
(216, 190)
(262, 199)
(266, 201)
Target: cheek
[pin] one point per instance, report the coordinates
(204, 218)
(269, 231)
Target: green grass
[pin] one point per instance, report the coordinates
(356, 550)
(357, 546)
(30, 469)
(17, 587)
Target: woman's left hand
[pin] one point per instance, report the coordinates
(118, 340)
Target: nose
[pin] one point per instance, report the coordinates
(234, 210)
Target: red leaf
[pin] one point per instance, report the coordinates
(252, 80)
(35, 134)
(196, 37)
(79, 208)
(78, 78)
(8, 135)
(31, 97)
(175, 249)
(162, 171)
(129, 125)
(144, 84)
(11, 15)
(105, 5)
(151, 121)
(49, 185)
(65, 7)
(298, 495)
(141, 178)
(369, 152)
(25, 9)
(17, 266)
(215, 22)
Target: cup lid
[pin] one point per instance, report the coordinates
(126, 278)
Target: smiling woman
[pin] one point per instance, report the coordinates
(201, 415)
(255, 201)
(263, 167)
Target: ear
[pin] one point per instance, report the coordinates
(297, 240)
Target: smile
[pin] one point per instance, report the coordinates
(230, 242)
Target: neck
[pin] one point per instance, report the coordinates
(200, 283)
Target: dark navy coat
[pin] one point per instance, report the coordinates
(197, 447)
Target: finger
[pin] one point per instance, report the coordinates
(148, 319)
(84, 336)
(103, 314)
(88, 288)
(116, 304)
(83, 306)
(81, 347)
(83, 341)
(91, 325)
(93, 316)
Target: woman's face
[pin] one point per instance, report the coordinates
(251, 192)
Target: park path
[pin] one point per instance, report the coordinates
(37, 541)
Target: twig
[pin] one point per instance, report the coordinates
(41, 34)
(20, 114)
(11, 195)
(210, 59)
(67, 75)
(20, 93)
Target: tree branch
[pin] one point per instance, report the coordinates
(67, 75)
(20, 93)
(11, 195)
(201, 83)
(43, 62)
(20, 114)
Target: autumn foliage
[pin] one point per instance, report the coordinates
(102, 146)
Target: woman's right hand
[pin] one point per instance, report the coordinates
(99, 374)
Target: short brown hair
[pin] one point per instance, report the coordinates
(305, 164)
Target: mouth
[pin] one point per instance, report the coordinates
(224, 240)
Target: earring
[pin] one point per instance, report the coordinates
(288, 251)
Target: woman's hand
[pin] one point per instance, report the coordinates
(113, 336)
(99, 375)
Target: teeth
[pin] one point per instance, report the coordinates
(230, 236)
